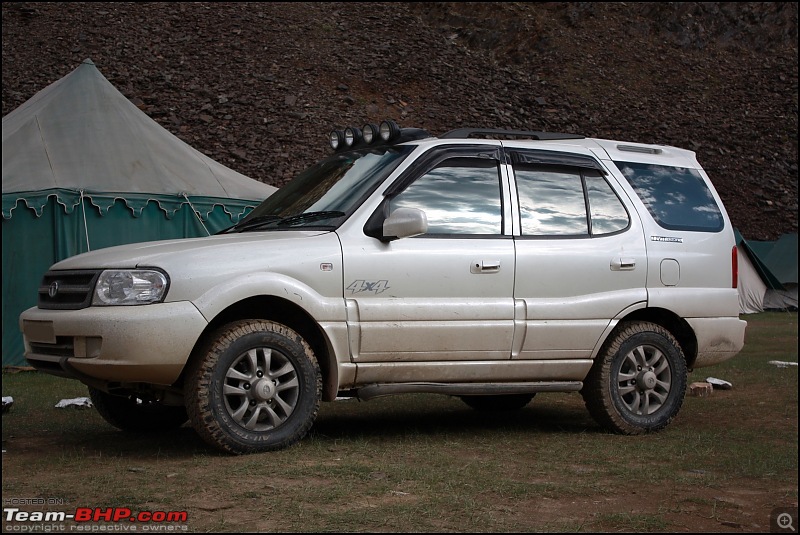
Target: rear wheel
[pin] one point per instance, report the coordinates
(137, 414)
(638, 382)
(255, 387)
(509, 402)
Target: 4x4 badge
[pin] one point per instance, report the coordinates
(376, 287)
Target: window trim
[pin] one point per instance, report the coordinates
(429, 161)
(554, 158)
(576, 163)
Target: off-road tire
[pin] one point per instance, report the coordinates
(136, 414)
(638, 381)
(509, 402)
(254, 386)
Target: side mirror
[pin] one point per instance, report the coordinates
(404, 223)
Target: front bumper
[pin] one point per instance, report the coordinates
(126, 344)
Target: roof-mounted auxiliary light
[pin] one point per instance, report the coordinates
(370, 132)
(336, 139)
(352, 136)
(388, 133)
(389, 130)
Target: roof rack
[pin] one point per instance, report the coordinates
(461, 133)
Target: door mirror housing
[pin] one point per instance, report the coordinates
(405, 223)
(402, 223)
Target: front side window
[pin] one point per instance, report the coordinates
(460, 196)
(677, 197)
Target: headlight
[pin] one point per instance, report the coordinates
(130, 287)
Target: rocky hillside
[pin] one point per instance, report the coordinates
(257, 86)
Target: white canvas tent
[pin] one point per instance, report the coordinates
(767, 274)
(84, 168)
(751, 288)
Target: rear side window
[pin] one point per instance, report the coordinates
(560, 201)
(551, 201)
(676, 197)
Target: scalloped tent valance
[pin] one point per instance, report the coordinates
(136, 203)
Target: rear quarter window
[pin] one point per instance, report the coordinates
(677, 197)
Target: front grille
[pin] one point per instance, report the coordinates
(67, 290)
(63, 347)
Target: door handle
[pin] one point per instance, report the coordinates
(485, 266)
(623, 264)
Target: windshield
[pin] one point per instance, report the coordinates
(326, 193)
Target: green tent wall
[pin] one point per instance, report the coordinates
(84, 169)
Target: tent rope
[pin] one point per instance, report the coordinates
(85, 223)
(196, 213)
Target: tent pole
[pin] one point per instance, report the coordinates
(196, 213)
(85, 224)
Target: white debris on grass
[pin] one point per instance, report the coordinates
(78, 403)
(7, 402)
(719, 383)
(782, 364)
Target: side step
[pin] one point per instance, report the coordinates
(466, 389)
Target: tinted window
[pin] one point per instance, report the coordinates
(608, 215)
(459, 196)
(551, 201)
(676, 197)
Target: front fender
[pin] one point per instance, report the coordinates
(322, 308)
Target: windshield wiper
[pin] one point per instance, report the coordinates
(264, 220)
(309, 216)
(248, 224)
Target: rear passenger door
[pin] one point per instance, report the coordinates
(580, 253)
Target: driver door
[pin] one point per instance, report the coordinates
(446, 295)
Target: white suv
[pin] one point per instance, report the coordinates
(485, 264)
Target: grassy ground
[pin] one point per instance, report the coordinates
(427, 463)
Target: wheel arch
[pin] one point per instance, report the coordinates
(676, 325)
(285, 312)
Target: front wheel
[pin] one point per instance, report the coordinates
(256, 386)
(638, 381)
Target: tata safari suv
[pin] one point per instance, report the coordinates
(490, 265)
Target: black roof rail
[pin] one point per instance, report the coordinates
(462, 133)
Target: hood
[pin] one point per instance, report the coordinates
(183, 253)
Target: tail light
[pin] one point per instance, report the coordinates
(734, 267)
